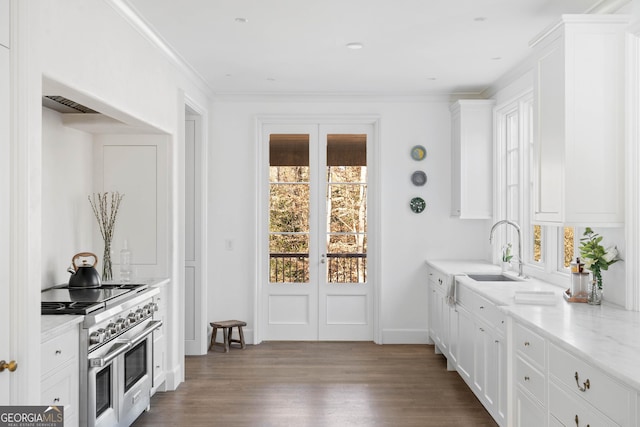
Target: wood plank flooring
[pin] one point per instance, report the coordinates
(318, 384)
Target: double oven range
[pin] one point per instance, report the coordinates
(116, 348)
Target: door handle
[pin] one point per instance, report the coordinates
(11, 366)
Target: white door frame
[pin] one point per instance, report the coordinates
(373, 219)
(199, 113)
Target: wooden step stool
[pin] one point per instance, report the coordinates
(227, 329)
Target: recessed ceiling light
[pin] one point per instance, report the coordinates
(271, 79)
(242, 20)
(480, 19)
(496, 58)
(355, 45)
(432, 78)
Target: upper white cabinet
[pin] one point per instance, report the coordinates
(471, 159)
(5, 18)
(578, 122)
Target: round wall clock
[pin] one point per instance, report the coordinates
(418, 152)
(417, 204)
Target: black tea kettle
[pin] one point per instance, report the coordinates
(84, 275)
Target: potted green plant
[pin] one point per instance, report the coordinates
(596, 259)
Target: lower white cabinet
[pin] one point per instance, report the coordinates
(160, 342)
(471, 336)
(60, 367)
(556, 387)
(465, 334)
(438, 312)
(528, 413)
(482, 358)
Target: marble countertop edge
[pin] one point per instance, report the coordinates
(605, 336)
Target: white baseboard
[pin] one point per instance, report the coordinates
(174, 378)
(405, 336)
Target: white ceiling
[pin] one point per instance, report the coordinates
(298, 46)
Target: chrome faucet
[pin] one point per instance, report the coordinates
(517, 227)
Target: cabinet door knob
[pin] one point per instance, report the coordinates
(11, 366)
(526, 344)
(527, 378)
(585, 385)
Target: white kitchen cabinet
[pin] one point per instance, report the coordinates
(558, 387)
(527, 412)
(5, 23)
(438, 311)
(466, 328)
(587, 390)
(578, 122)
(472, 159)
(60, 367)
(487, 375)
(160, 342)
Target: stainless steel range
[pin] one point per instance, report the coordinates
(116, 349)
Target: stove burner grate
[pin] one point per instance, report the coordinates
(75, 307)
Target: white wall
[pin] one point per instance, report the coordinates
(88, 49)
(407, 239)
(67, 170)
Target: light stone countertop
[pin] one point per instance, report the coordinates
(606, 336)
(52, 325)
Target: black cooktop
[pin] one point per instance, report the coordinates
(65, 300)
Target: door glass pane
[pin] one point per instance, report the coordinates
(289, 208)
(346, 193)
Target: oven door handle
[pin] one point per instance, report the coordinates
(117, 349)
(151, 327)
(123, 346)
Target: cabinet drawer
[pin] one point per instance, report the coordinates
(488, 312)
(571, 410)
(530, 379)
(59, 350)
(438, 279)
(61, 388)
(529, 344)
(594, 386)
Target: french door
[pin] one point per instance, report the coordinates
(314, 248)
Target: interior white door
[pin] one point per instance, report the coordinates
(5, 199)
(315, 279)
(194, 334)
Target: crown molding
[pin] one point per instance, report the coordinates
(133, 17)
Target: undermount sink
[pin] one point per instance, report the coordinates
(491, 278)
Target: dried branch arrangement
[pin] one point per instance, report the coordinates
(105, 207)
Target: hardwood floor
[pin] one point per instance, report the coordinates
(318, 384)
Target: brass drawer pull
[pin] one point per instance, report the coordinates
(586, 385)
